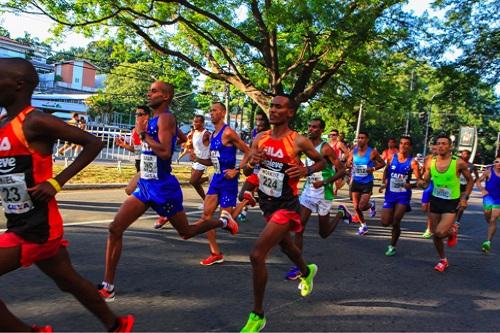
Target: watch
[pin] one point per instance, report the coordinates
(142, 135)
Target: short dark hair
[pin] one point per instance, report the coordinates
(264, 117)
(443, 136)
(335, 130)
(221, 104)
(143, 107)
(200, 117)
(321, 122)
(394, 139)
(292, 103)
(405, 137)
(364, 133)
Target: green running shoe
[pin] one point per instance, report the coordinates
(486, 246)
(391, 251)
(306, 283)
(254, 323)
(427, 234)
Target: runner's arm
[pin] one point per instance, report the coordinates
(182, 137)
(166, 133)
(481, 179)
(254, 156)
(329, 153)
(304, 145)
(379, 162)
(464, 169)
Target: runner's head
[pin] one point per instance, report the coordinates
(315, 128)
(261, 116)
(282, 109)
(18, 80)
(405, 144)
(363, 139)
(496, 162)
(141, 111)
(443, 144)
(465, 155)
(261, 126)
(391, 143)
(334, 135)
(217, 113)
(160, 95)
(198, 122)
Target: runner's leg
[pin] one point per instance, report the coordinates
(196, 181)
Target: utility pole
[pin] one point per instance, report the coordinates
(358, 126)
(427, 124)
(226, 100)
(407, 127)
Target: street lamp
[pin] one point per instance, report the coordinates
(427, 124)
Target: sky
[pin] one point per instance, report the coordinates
(38, 26)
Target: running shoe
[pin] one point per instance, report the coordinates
(250, 198)
(346, 215)
(254, 323)
(391, 251)
(453, 236)
(427, 234)
(486, 246)
(442, 265)
(106, 294)
(213, 259)
(363, 230)
(306, 283)
(45, 329)
(231, 224)
(355, 219)
(125, 324)
(293, 274)
(241, 218)
(373, 210)
(160, 222)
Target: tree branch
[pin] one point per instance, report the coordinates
(323, 79)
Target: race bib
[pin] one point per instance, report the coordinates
(317, 176)
(14, 194)
(397, 185)
(442, 192)
(360, 170)
(271, 182)
(137, 152)
(216, 164)
(149, 167)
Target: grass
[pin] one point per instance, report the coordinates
(107, 174)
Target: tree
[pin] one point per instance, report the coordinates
(260, 47)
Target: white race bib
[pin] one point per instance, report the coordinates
(360, 170)
(271, 182)
(149, 166)
(442, 192)
(397, 185)
(14, 194)
(216, 164)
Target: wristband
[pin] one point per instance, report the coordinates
(54, 184)
(250, 166)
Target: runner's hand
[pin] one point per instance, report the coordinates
(296, 171)
(381, 188)
(462, 204)
(257, 156)
(484, 192)
(119, 141)
(42, 192)
(425, 207)
(422, 183)
(231, 173)
(318, 184)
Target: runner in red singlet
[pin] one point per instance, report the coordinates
(34, 226)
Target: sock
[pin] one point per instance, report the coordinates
(362, 224)
(107, 285)
(224, 222)
(260, 315)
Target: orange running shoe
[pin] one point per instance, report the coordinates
(45, 329)
(213, 259)
(355, 219)
(250, 198)
(160, 222)
(453, 236)
(231, 224)
(125, 324)
(106, 294)
(442, 265)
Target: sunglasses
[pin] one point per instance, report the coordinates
(330, 135)
(139, 114)
(496, 162)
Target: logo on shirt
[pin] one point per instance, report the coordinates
(7, 164)
(5, 144)
(271, 152)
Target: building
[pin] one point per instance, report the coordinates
(61, 105)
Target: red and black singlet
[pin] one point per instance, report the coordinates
(21, 168)
(276, 189)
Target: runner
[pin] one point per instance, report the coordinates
(223, 188)
(246, 194)
(392, 148)
(426, 194)
(445, 170)
(187, 147)
(341, 151)
(396, 181)
(134, 147)
(317, 195)
(363, 161)
(201, 150)
(491, 200)
(276, 151)
(34, 225)
(465, 155)
(157, 188)
(74, 121)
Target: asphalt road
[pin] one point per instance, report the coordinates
(357, 288)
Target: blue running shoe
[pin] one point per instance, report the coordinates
(373, 210)
(293, 274)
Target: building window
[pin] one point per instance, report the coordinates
(77, 80)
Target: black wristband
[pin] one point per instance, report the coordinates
(142, 135)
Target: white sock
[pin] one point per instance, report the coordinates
(224, 222)
(107, 285)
